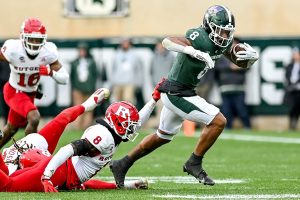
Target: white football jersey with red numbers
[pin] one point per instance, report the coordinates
(24, 74)
(100, 137)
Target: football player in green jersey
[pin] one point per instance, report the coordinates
(197, 52)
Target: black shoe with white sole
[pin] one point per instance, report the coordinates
(198, 173)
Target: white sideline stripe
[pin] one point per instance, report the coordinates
(255, 138)
(231, 196)
(174, 179)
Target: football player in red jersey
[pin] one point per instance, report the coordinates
(75, 163)
(29, 57)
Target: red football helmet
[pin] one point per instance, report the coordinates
(32, 156)
(33, 35)
(123, 117)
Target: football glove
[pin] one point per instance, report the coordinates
(248, 54)
(205, 57)
(95, 99)
(156, 93)
(47, 184)
(45, 71)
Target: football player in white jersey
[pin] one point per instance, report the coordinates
(29, 57)
(77, 162)
(16, 156)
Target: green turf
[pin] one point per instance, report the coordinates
(266, 168)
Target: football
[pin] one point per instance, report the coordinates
(239, 47)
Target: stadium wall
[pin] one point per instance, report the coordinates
(153, 18)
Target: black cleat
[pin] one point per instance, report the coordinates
(119, 170)
(198, 173)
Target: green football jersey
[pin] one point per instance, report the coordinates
(188, 70)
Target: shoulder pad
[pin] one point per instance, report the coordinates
(100, 137)
(9, 48)
(52, 51)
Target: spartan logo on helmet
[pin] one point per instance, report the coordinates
(220, 24)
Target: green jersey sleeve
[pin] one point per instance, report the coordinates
(198, 38)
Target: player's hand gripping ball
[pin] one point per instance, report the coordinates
(234, 56)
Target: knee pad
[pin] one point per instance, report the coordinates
(164, 136)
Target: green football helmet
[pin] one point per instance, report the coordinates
(219, 23)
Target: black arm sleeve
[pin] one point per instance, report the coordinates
(81, 147)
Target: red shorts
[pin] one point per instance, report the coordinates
(20, 104)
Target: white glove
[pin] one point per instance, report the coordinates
(95, 99)
(205, 57)
(106, 93)
(249, 53)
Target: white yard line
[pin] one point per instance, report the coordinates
(176, 179)
(241, 137)
(231, 196)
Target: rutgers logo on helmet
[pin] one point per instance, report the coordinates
(123, 117)
(219, 22)
(33, 35)
(32, 156)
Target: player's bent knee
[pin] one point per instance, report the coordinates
(219, 121)
(164, 136)
(33, 116)
(34, 120)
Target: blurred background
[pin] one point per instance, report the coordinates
(106, 27)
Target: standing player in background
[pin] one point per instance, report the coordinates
(29, 57)
(197, 52)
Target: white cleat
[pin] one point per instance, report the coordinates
(141, 184)
(95, 99)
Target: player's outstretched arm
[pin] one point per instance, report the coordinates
(75, 148)
(176, 44)
(183, 45)
(146, 111)
(58, 159)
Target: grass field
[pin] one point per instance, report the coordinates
(245, 165)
